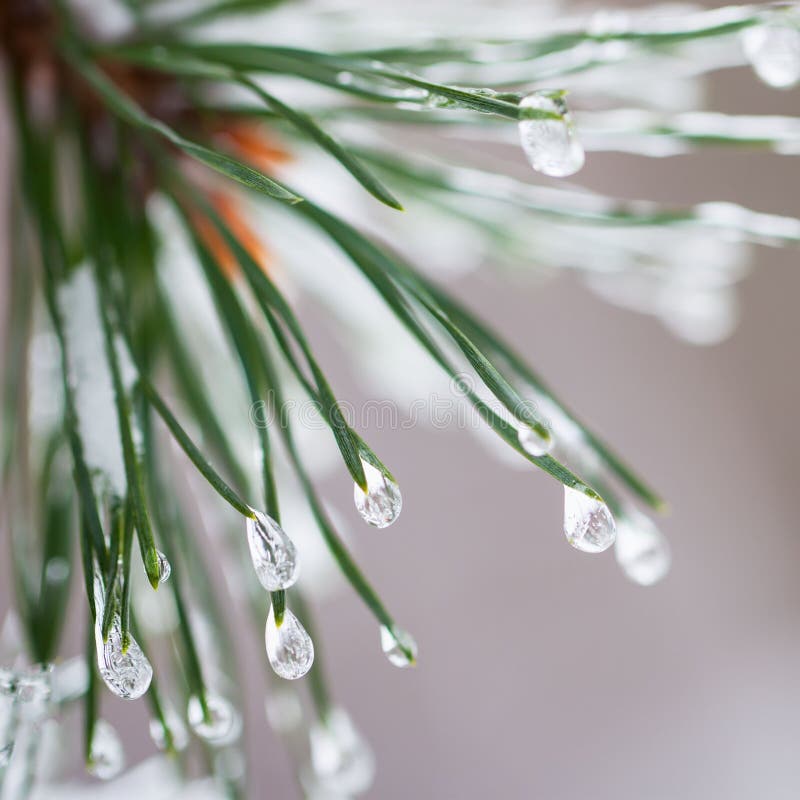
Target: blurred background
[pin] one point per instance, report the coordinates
(543, 672)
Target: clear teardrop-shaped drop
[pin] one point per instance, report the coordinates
(380, 505)
(773, 50)
(106, 757)
(532, 442)
(179, 737)
(127, 674)
(551, 144)
(223, 724)
(397, 646)
(341, 759)
(8, 688)
(588, 523)
(34, 690)
(289, 648)
(642, 551)
(164, 567)
(284, 710)
(273, 553)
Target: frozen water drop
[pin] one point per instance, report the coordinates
(380, 505)
(340, 758)
(773, 50)
(273, 552)
(221, 726)
(399, 647)
(164, 567)
(551, 144)
(588, 524)
(106, 758)
(34, 690)
(177, 731)
(289, 648)
(642, 551)
(532, 442)
(127, 674)
(284, 710)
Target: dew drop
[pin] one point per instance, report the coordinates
(533, 442)
(380, 505)
(773, 50)
(34, 691)
(106, 758)
(397, 646)
(289, 648)
(273, 552)
(588, 524)
(8, 682)
(341, 759)
(551, 145)
(164, 567)
(177, 731)
(127, 674)
(284, 710)
(642, 551)
(223, 724)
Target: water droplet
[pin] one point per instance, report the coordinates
(551, 145)
(773, 50)
(380, 505)
(588, 524)
(284, 710)
(289, 648)
(223, 724)
(127, 674)
(532, 442)
(340, 758)
(642, 551)
(177, 730)
(34, 690)
(397, 646)
(273, 553)
(57, 570)
(164, 567)
(8, 690)
(107, 757)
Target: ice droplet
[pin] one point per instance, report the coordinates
(551, 144)
(284, 710)
(223, 724)
(8, 688)
(177, 730)
(397, 645)
(340, 758)
(34, 690)
(273, 553)
(106, 758)
(164, 567)
(289, 648)
(127, 674)
(642, 551)
(532, 442)
(773, 50)
(380, 505)
(588, 524)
